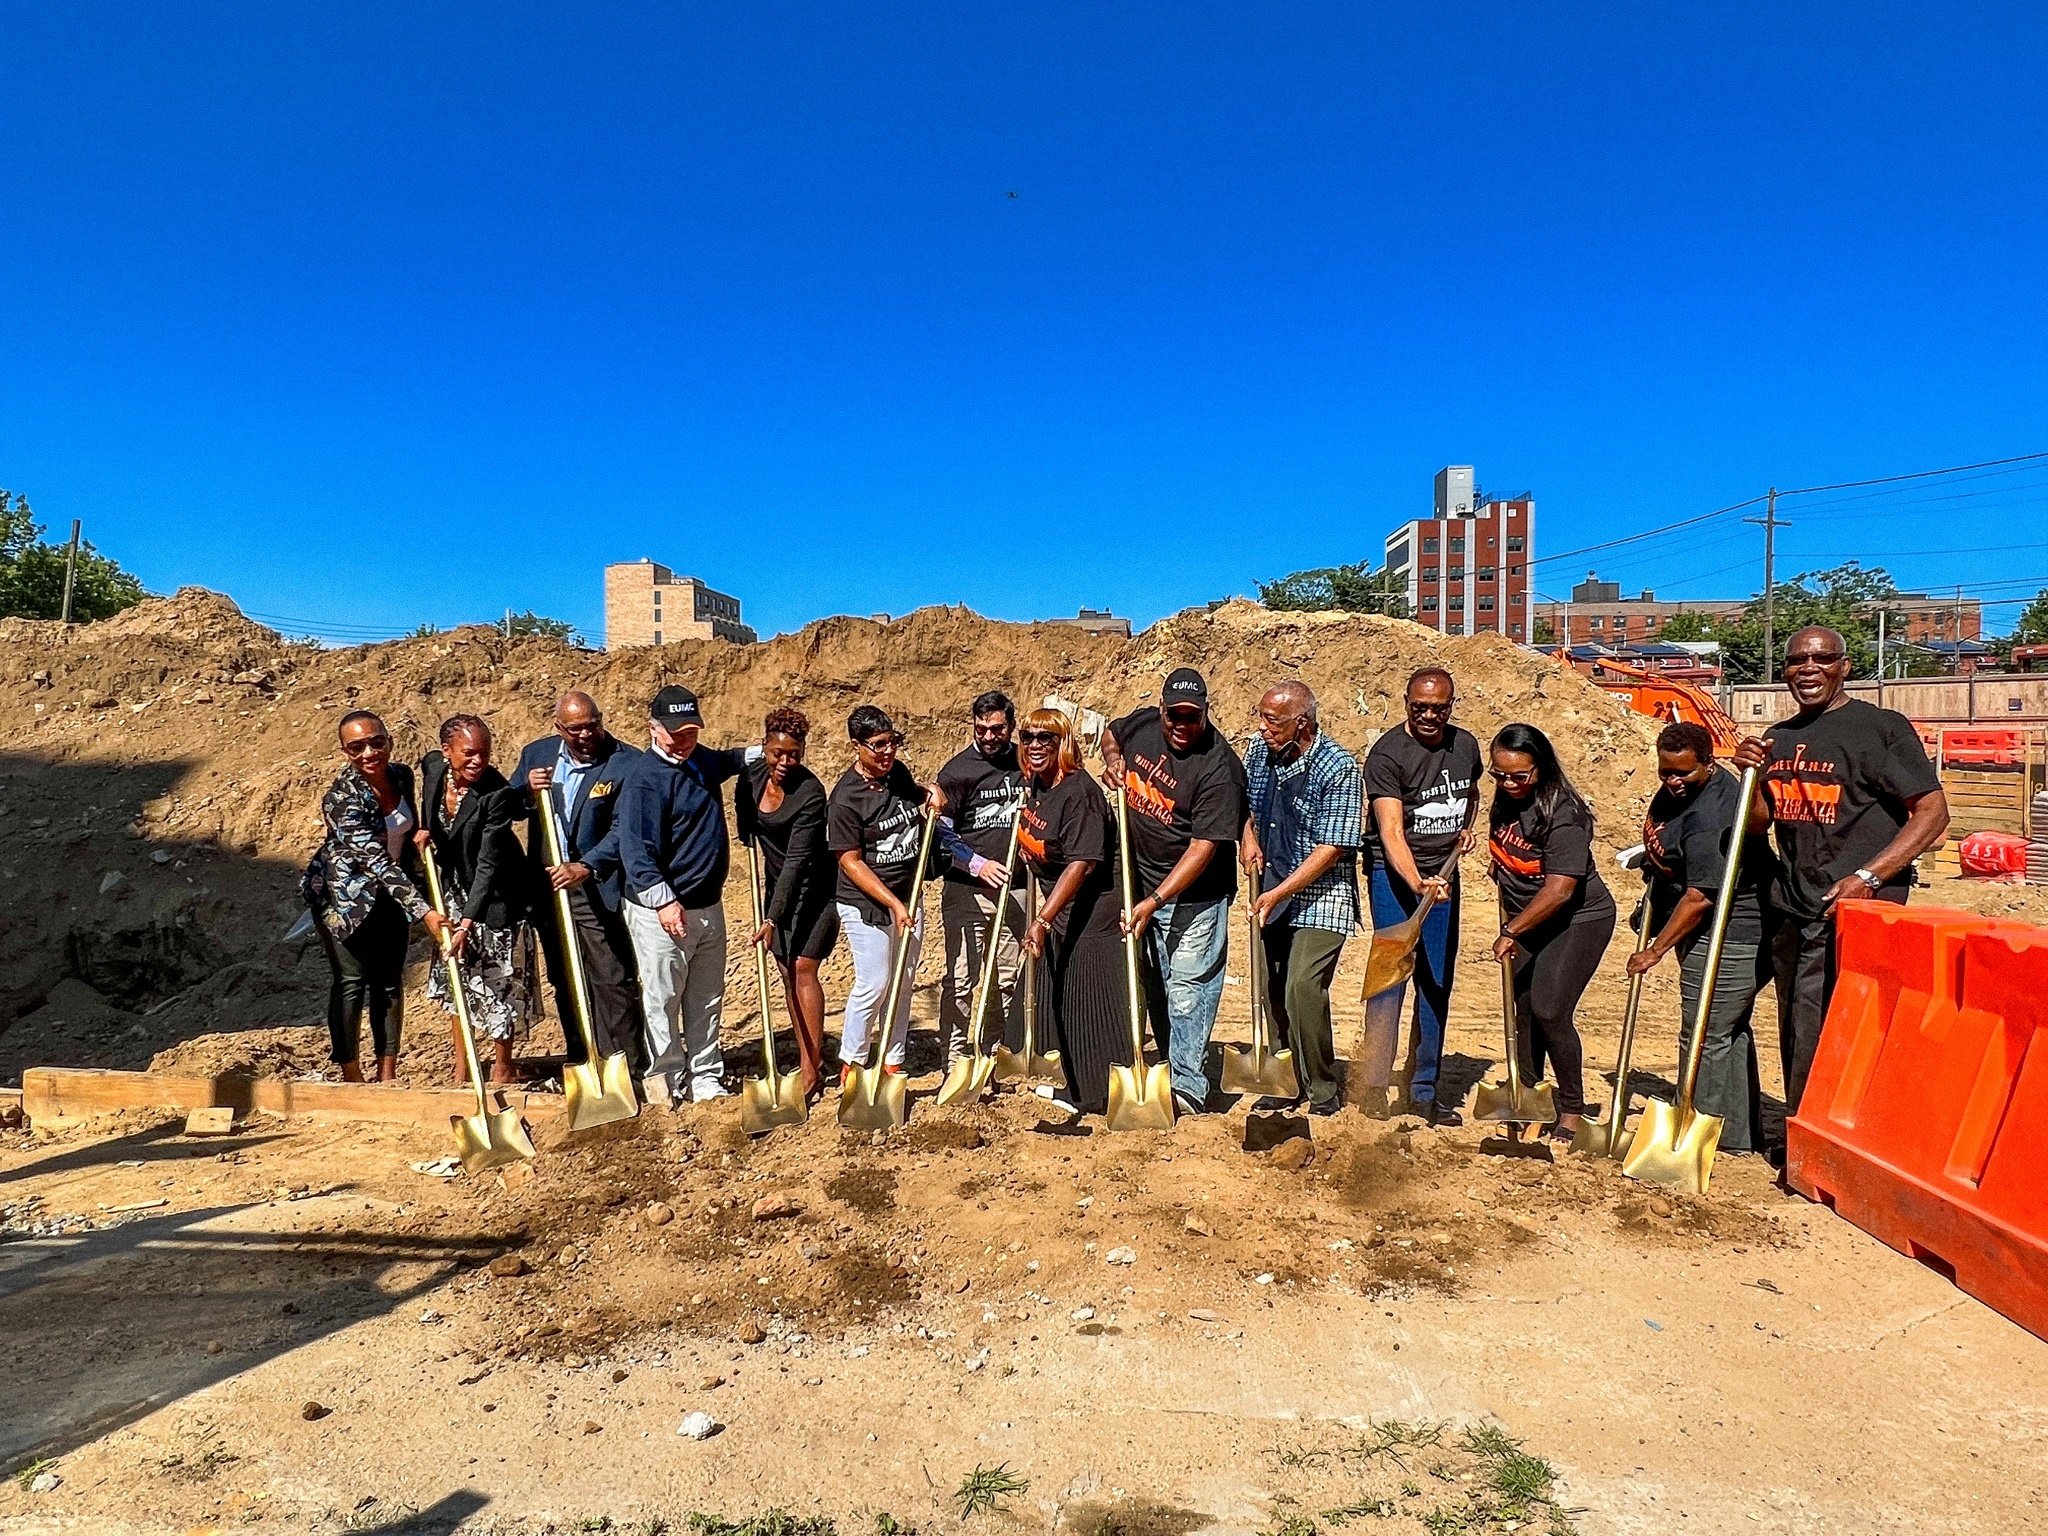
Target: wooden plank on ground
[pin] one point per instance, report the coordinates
(52, 1095)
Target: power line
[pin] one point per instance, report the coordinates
(1918, 474)
(1637, 538)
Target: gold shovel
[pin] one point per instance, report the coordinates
(1674, 1142)
(489, 1138)
(1608, 1136)
(873, 1098)
(771, 1099)
(1511, 1102)
(970, 1076)
(1259, 1068)
(1140, 1097)
(598, 1092)
(1030, 1063)
(1391, 960)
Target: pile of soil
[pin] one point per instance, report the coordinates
(161, 771)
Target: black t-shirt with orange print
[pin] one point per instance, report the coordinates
(1838, 784)
(1525, 853)
(1176, 797)
(1067, 823)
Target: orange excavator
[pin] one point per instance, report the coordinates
(1667, 699)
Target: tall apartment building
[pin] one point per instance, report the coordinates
(1599, 614)
(648, 604)
(1467, 567)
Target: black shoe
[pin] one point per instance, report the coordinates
(1329, 1106)
(1434, 1113)
(1274, 1104)
(1183, 1105)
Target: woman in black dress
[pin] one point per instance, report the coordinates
(1554, 908)
(1068, 843)
(782, 811)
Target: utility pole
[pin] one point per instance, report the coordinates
(71, 568)
(1880, 658)
(1771, 524)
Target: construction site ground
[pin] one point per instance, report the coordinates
(1249, 1324)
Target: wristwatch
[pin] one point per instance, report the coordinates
(1870, 880)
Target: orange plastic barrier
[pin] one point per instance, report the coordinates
(1925, 1120)
(1964, 747)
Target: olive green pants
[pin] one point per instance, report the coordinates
(1300, 963)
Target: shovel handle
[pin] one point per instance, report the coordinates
(1507, 1024)
(988, 943)
(773, 1077)
(1123, 845)
(1029, 981)
(1724, 907)
(1255, 962)
(1617, 1109)
(924, 853)
(455, 991)
(572, 951)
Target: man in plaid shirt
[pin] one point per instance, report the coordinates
(1301, 847)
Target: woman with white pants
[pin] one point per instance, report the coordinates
(873, 825)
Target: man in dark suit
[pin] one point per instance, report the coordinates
(582, 766)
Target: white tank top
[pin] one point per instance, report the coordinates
(397, 828)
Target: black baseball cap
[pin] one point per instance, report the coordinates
(675, 707)
(1184, 686)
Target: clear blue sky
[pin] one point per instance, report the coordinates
(378, 314)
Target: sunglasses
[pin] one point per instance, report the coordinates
(1816, 659)
(886, 742)
(1500, 776)
(1416, 707)
(1037, 738)
(364, 744)
(1185, 716)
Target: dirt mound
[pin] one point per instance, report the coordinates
(161, 771)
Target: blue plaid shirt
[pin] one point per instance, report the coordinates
(1318, 800)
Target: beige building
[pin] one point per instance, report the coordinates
(1097, 621)
(648, 604)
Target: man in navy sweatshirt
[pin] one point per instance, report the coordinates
(670, 826)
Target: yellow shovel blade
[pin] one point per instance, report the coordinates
(967, 1078)
(1140, 1098)
(873, 1100)
(1590, 1139)
(761, 1110)
(484, 1142)
(1391, 959)
(1015, 1067)
(1269, 1072)
(1666, 1152)
(1500, 1103)
(599, 1092)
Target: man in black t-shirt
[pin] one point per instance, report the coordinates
(1422, 800)
(982, 785)
(1186, 791)
(1855, 801)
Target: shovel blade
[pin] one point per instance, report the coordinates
(1500, 1102)
(966, 1078)
(1590, 1139)
(1015, 1067)
(1668, 1151)
(488, 1141)
(873, 1100)
(1270, 1073)
(599, 1093)
(1140, 1098)
(1391, 959)
(762, 1109)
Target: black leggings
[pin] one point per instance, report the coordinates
(369, 965)
(1551, 975)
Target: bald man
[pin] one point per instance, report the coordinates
(1854, 801)
(1300, 846)
(582, 765)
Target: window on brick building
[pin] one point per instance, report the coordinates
(1485, 604)
(1429, 605)
(1458, 545)
(1486, 573)
(1429, 573)
(1514, 543)
(1429, 546)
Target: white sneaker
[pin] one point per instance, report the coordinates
(708, 1088)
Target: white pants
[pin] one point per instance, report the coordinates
(874, 953)
(682, 995)
(964, 911)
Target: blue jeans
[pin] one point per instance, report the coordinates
(1436, 964)
(1183, 973)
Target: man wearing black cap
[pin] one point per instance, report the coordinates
(1186, 790)
(672, 847)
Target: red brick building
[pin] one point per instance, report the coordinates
(1467, 567)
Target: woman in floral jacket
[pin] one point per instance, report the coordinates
(361, 896)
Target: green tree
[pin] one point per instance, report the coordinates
(528, 625)
(1542, 633)
(2032, 628)
(1349, 588)
(32, 572)
(1846, 598)
(1689, 624)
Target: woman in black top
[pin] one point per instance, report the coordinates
(1553, 906)
(469, 815)
(361, 890)
(1067, 844)
(782, 811)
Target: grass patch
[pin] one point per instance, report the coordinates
(982, 1491)
(1359, 1509)
(32, 1471)
(771, 1522)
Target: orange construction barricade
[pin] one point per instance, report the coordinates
(1925, 1119)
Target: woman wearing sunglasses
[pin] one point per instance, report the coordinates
(1556, 915)
(360, 891)
(1068, 844)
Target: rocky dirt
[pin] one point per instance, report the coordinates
(1234, 1327)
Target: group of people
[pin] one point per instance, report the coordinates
(645, 857)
